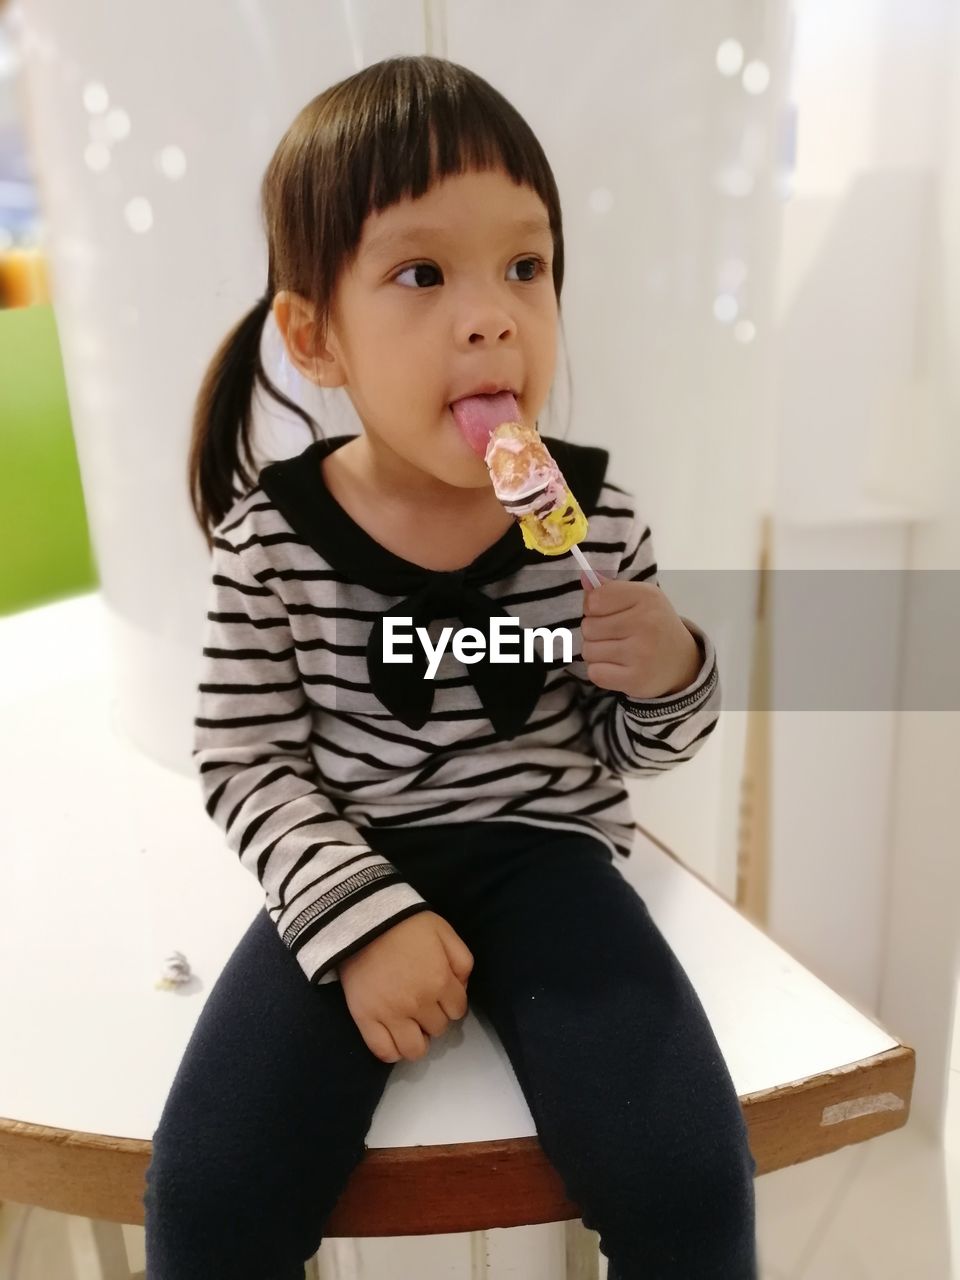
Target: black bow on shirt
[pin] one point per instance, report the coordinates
(508, 691)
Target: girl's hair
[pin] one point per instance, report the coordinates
(389, 131)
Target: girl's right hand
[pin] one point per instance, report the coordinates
(410, 980)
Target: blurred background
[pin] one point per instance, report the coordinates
(46, 551)
(761, 322)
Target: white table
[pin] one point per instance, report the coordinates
(98, 843)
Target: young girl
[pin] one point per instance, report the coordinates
(415, 835)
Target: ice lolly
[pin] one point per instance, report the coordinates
(526, 480)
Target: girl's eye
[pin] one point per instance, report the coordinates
(417, 267)
(537, 264)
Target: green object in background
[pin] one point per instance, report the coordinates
(45, 550)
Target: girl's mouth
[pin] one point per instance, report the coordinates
(479, 415)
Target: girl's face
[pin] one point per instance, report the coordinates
(446, 293)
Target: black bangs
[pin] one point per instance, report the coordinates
(427, 119)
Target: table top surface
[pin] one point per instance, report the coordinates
(98, 843)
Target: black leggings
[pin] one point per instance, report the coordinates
(632, 1100)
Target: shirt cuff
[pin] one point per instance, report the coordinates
(687, 700)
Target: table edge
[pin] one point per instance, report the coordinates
(498, 1183)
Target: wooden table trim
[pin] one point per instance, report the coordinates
(464, 1186)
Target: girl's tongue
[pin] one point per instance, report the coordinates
(477, 416)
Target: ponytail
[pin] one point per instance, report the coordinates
(223, 417)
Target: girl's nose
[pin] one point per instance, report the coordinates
(486, 321)
(493, 325)
(491, 332)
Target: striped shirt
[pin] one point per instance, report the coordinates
(296, 754)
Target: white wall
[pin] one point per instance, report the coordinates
(920, 972)
(866, 878)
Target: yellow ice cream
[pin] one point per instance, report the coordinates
(531, 487)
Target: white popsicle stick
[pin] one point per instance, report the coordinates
(595, 581)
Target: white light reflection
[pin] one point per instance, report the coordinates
(172, 163)
(744, 331)
(729, 57)
(97, 156)
(95, 98)
(725, 307)
(117, 124)
(756, 77)
(735, 181)
(9, 61)
(139, 214)
(601, 200)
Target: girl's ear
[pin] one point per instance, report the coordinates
(295, 320)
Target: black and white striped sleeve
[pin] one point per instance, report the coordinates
(645, 737)
(327, 891)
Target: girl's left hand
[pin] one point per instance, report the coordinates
(634, 641)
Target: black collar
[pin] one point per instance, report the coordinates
(508, 692)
